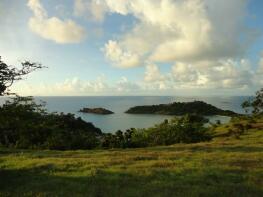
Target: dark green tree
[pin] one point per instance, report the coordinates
(9, 74)
(26, 124)
(128, 137)
(255, 103)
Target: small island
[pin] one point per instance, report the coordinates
(181, 108)
(100, 111)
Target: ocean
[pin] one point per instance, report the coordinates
(119, 104)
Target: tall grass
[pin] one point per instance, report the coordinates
(224, 167)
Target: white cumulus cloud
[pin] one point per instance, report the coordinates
(119, 56)
(153, 73)
(124, 85)
(215, 74)
(53, 28)
(182, 30)
(79, 87)
(225, 74)
(90, 9)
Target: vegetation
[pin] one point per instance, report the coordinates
(187, 129)
(25, 124)
(225, 166)
(10, 74)
(222, 160)
(255, 103)
(197, 107)
(101, 111)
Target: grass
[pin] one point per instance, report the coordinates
(225, 166)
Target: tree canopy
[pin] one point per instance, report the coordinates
(27, 124)
(255, 103)
(181, 108)
(9, 74)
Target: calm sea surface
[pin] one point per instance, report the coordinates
(118, 104)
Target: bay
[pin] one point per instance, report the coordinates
(119, 104)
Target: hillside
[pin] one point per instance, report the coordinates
(225, 166)
(178, 108)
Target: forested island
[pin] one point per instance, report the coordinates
(181, 108)
(100, 110)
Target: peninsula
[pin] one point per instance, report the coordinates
(181, 108)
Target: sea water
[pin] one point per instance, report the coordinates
(119, 104)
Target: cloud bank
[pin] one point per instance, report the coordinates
(180, 30)
(182, 79)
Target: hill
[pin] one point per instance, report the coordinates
(226, 166)
(178, 108)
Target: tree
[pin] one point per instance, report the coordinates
(256, 103)
(26, 124)
(10, 74)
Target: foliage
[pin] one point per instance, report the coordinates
(178, 108)
(187, 129)
(26, 124)
(255, 103)
(10, 74)
(223, 167)
(119, 139)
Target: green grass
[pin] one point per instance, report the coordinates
(224, 167)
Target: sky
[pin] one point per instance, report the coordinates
(135, 47)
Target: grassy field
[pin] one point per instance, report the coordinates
(224, 167)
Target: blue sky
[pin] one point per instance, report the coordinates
(132, 47)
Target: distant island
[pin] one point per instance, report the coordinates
(181, 108)
(100, 110)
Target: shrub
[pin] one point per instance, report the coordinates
(139, 139)
(187, 129)
(255, 103)
(238, 129)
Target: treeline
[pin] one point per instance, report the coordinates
(27, 125)
(181, 108)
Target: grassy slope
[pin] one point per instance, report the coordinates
(224, 167)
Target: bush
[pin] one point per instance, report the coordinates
(187, 129)
(139, 139)
(238, 129)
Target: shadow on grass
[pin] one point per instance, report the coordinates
(84, 153)
(242, 149)
(208, 148)
(42, 181)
